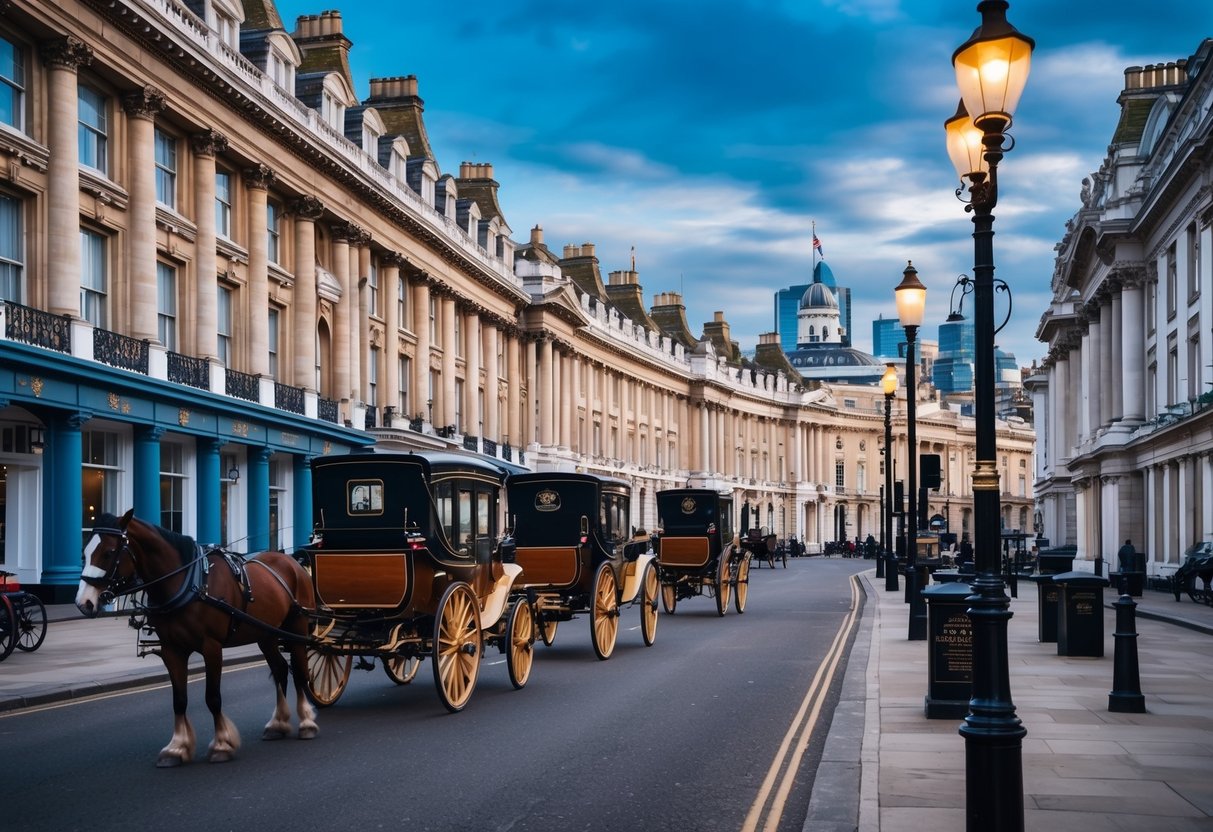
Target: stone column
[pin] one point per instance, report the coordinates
(471, 364)
(1064, 420)
(360, 313)
(534, 393)
(257, 180)
(141, 290)
(62, 58)
(305, 211)
(576, 438)
(545, 393)
(705, 459)
(1105, 363)
(423, 396)
(514, 379)
(492, 382)
(1116, 367)
(342, 233)
(206, 145)
(1084, 388)
(1166, 528)
(1185, 511)
(1133, 353)
(447, 343)
(391, 343)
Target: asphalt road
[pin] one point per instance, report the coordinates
(677, 736)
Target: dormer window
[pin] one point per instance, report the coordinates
(332, 110)
(225, 17)
(370, 139)
(228, 30)
(281, 71)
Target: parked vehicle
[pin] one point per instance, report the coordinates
(696, 552)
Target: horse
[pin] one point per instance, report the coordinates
(197, 602)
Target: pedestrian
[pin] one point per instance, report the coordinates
(870, 545)
(1127, 557)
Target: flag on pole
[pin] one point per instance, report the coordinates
(817, 247)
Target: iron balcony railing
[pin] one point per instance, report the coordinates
(37, 328)
(326, 409)
(242, 385)
(372, 417)
(120, 351)
(287, 397)
(188, 370)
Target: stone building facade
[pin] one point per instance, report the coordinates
(217, 264)
(1125, 446)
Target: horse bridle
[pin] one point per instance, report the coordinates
(109, 583)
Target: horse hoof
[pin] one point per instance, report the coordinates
(219, 757)
(169, 761)
(308, 733)
(273, 734)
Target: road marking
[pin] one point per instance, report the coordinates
(800, 732)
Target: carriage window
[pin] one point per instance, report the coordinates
(364, 496)
(444, 505)
(614, 517)
(465, 538)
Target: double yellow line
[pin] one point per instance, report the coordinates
(770, 802)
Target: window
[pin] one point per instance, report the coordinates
(272, 342)
(459, 405)
(93, 129)
(166, 306)
(402, 394)
(273, 217)
(12, 84)
(172, 486)
(458, 335)
(99, 476)
(93, 271)
(1171, 279)
(1192, 256)
(840, 476)
(1194, 368)
(223, 204)
(1151, 305)
(224, 325)
(433, 314)
(372, 377)
(1172, 369)
(402, 304)
(861, 478)
(332, 111)
(372, 289)
(166, 169)
(12, 250)
(228, 30)
(281, 71)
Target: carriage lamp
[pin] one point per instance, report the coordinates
(37, 440)
(991, 71)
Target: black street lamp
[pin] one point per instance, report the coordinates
(991, 71)
(911, 298)
(888, 383)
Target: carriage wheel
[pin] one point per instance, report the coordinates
(723, 585)
(547, 628)
(648, 606)
(31, 624)
(742, 590)
(327, 675)
(669, 598)
(520, 653)
(604, 614)
(401, 669)
(457, 646)
(8, 628)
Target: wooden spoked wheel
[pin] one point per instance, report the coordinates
(401, 669)
(457, 646)
(648, 605)
(669, 598)
(327, 675)
(547, 628)
(604, 612)
(31, 623)
(520, 643)
(8, 628)
(742, 590)
(723, 583)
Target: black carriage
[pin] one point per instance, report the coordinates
(571, 536)
(1195, 574)
(22, 617)
(406, 563)
(696, 552)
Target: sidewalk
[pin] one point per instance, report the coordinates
(1083, 767)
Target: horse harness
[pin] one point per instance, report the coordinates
(194, 586)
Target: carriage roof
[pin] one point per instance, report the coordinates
(552, 503)
(690, 510)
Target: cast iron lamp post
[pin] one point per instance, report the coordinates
(911, 298)
(888, 383)
(991, 71)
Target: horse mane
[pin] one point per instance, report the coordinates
(184, 545)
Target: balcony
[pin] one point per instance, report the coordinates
(121, 351)
(37, 328)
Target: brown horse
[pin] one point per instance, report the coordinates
(196, 603)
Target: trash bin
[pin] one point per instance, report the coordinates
(1080, 614)
(949, 651)
(1055, 561)
(1047, 594)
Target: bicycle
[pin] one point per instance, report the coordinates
(22, 618)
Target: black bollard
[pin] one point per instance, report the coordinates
(1126, 697)
(890, 573)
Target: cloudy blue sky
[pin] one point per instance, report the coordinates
(711, 134)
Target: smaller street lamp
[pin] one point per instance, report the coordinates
(911, 297)
(888, 383)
